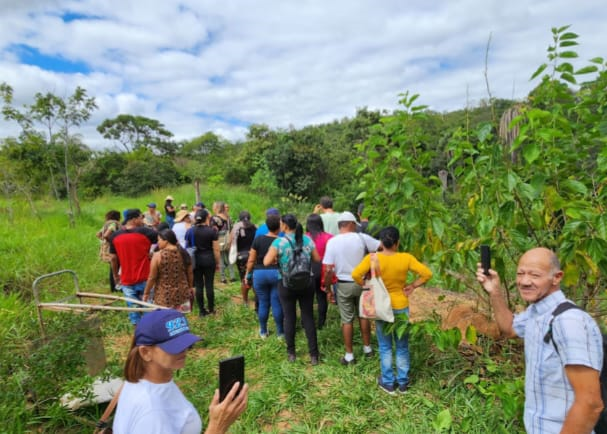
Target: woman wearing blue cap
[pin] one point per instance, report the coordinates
(150, 402)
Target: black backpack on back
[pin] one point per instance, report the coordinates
(298, 275)
(601, 424)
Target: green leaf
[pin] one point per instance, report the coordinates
(471, 336)
(574, 186)
(531, 152)
(438, 227)
(539, 70)
(568, 35)
(471, 379)
(512, 181)
(568, 55)
(565, 67)
(560, 29)
(586, 70)
(568, 77)
(443, 421)
(484, 131)
(597, 60)
(568, 44)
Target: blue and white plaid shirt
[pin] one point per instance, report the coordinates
(548, 394)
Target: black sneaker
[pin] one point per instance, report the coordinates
(344, 362)
(369, 355)
(402, 388)
(389, 389)
(291, 358)
(314, 360)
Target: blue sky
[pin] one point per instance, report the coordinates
(200, 66)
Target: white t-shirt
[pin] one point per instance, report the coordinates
(346, 250)
(180, 229)
(149, 408)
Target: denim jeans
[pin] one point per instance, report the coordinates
(134, 291)
(385, 353)
(265, 284)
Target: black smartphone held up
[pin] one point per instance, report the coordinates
(230, 371)
(485, 258)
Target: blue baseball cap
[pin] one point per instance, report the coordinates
(166, 328)
(272, 211)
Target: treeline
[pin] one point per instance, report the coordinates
(48, 157)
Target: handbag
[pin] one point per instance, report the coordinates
(233, 255)
(102, 426)
(375, 303)
(192, 248)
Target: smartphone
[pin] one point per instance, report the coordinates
(230, 371)
(485, 258)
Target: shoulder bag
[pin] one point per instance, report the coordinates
(375, 302)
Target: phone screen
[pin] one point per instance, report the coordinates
(485, 258)
(230, 371)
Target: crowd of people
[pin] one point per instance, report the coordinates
(173, 263)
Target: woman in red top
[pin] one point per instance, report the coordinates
(315, 230)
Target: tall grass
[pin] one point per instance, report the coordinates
(449, 393)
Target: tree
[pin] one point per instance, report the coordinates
(134, 132)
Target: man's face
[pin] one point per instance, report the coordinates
(535, 276)
(139, 220)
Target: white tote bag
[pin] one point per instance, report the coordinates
(375, 302)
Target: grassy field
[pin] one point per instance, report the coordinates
(476, 389)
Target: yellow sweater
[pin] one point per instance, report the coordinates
(394, 269)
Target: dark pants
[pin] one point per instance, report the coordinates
(321, 296)
(204, 273)
(112, 281)
(288, 300)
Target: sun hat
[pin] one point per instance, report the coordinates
(347, 216)
(183, 206)
(181, 215)
(166, 328)
(169, 197)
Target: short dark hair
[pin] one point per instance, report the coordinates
(314, 225)
(112, 215)
(201, 215)
(273, 222)
(326, 202)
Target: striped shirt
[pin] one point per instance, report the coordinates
(548, 393)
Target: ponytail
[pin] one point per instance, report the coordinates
(299, 234)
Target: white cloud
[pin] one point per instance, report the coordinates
(283, 63)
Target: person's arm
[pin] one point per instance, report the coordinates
(503, 315)
(271, 256)
(216, 253)
(250, 264)
(189, 271)
(223, 414)
(115, 267)
(361, 270)
(587, 403)
(422, 271)
(153, 276)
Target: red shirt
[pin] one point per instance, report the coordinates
(133, 249)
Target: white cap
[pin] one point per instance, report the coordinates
(347, 216)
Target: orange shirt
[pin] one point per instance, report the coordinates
(394, 269)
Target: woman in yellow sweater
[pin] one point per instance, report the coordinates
(393, 267)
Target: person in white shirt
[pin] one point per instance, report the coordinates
(150, 402)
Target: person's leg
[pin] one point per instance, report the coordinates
(385, 354)
(112, 281)
(222, 268)
(345, 302)
(133, 292)
(263, 290)
(199, 285)
(402, 357)
(365, 331)
(288, 308)
(277, 313)
(321, 300)
(209, 276)
(306, 305)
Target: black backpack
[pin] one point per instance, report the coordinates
(298, 274)
(601, 424)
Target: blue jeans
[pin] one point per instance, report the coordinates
(134, 291)
(385, 353)
(265, 284)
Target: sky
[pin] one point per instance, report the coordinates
(221, 66)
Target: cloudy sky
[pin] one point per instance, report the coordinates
(221, 66)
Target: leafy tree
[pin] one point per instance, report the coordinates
(134, 132)
(554, 196)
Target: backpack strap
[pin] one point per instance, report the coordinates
(102, 423)
(564, 306)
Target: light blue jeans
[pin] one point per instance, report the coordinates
(134, 291)
(385, 353)
(265, 284)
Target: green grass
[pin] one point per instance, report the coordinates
(284, 397)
